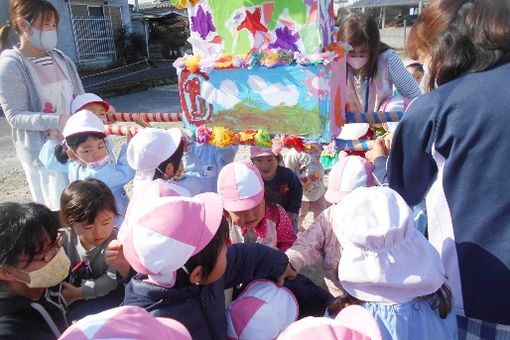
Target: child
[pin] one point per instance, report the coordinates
(389, 267)
(280, 180)
(352, 323)
(32, 259)
(86, 156)
(318, 242)
(416, 69)
(88, 210)
(179, 247)
(126, 322)
(372, 66)
(252, 218)
(309, 170)
(262, 311)
(157, 154)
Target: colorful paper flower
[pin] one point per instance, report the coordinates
(263, 139)
(192, 63)
(224, 62)
(247, 136)
(202, 23)
(222, 137)
(285, 39)
(252, 22)
(203, 134)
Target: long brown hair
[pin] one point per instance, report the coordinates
(461, 36)
(32, 11)
(361, 30)
(5, 41)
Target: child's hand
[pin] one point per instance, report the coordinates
(114, 257)
(55, 135)
(378, 149)
(140, 120)
(129, 135)
(71, 293)
(289, 273)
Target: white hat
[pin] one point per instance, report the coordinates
(262, 311)
(384, 257)
(151, 147)
(87, 98)
(83, 121)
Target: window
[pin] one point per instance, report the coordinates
(96, 11)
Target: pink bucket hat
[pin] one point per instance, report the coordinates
(161, 233)
(262, 311)
(384, 257)
(127, 322)
(346, 175)
(352, 323)
(83, 121)
(259, 152)
(87, 98)
(240, 186)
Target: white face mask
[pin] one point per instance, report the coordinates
(51, 274)
(357, 62)
(97, 164)
(45, 41)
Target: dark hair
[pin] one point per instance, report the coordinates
(23, 228)
(271, 196)
(361, 29)
(461, 36)
(5, 39)
(31, 11)
(175, 160)
(442, 301)
(416, 67)
(82, 200)
(73, 142)
(206, 258)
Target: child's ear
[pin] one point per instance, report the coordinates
(70, 153)
(196, 276)
(6, 274)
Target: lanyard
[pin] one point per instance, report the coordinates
(366, 97)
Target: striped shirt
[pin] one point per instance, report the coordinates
(403, 80)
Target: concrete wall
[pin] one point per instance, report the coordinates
(394, 37)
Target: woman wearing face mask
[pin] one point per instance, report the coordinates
(372, 67)
(31, 260)
(37, 84)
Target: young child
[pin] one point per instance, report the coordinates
(86, 156)
(318, 242)
(251, 217)
(157, 154)
(179, 247)
(388, 267)
(127, 322)
(307, 166)
(88, 210)
(416, 69)
(280, 180)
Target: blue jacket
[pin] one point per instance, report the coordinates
(452, 148)
(288, 186)
(202, 308)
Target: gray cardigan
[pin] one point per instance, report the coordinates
(21, 103)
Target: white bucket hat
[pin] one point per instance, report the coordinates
(87, 98)
(384, 257)
(83, 121)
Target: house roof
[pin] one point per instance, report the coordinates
(155, 5)
(385, 3)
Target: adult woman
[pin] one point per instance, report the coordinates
(452, 148)
(37, 84)
(31, 260)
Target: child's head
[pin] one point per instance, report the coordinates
(266, 161)
(88, 207)
(85, 138)
(352, 323)
(242, 192)
(126, 322)
(176, 240)
(416, 69)
(156, 153)
(92, 103)
(262, 311)
(362, 33)
(347, 174)
(384, 257)
(32, 256)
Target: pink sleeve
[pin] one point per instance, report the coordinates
(284, 231)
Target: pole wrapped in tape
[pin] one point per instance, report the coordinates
(120, 130)
(148, 116)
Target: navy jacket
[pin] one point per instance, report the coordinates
(288, 186)
(453, 147)
(202, 308)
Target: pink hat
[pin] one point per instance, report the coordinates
(262, 311)
(127, 322)
(259, 152)
(240, 186)
(346, 175)
(87, 98)
(83, 121)
(384, 257)
(161, 233)
(352, 323)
